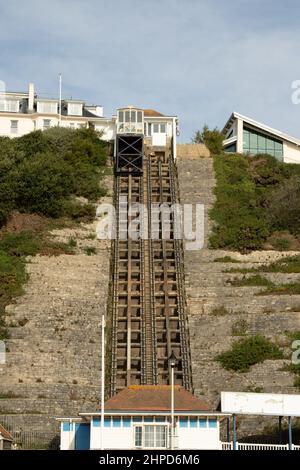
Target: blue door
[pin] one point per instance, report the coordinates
(82, 436)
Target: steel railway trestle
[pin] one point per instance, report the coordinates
(148, 306)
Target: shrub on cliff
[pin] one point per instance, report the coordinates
(255, 196)
(41, 172)
(247, 352)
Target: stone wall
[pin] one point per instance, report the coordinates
(53, 364)
(208, 289)
(192, 151)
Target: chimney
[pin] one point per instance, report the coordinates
(30, 97)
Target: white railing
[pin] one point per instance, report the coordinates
(254, 446)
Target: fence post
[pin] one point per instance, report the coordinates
(234, 432)
(290, 433)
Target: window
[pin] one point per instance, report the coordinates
(160, 419)
(116, 422)
(133, 116)
(212, 423)
(159, 128)
(137, 419)
(75, 109)
(10, 106)
(96, 422)
(230, 148)
(66, 426)
(202, 422)
(160, 436)
(47, 124)
(183, 422)
(126, 422)
(148, 419)
(14, 127)
(150, 436)
(107, 422)
(138, 436)
(47, 107)
(255, 142)
(193, 422)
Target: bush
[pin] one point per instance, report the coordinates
(40, 171)
(255, 197)
(213, 139)
(283, 206)
(247, 352)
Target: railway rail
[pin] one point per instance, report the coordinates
(148, 306)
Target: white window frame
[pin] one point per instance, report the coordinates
(9, 105)
(153, 425)
(14, 126)
(74, 109)
(45, 127)
(130, 120)
(158, 125)
(47, 107)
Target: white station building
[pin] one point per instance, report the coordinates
(245, 135)
(24, 112)
(139, 417)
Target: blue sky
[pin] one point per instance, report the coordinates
(199, 59)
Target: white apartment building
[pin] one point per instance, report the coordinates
(24, 112)
(21, 113)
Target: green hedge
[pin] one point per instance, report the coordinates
(253, 199)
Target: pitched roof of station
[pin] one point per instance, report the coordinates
(155, 398)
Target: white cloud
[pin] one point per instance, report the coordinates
(199, 59)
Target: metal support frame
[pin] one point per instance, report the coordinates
(129, 153)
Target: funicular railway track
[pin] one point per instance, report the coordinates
(149, 319)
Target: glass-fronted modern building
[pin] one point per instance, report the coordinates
(244, 135)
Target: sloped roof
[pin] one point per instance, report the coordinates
(5, 434)
(259, 125)
(155, 398)
(152, 112)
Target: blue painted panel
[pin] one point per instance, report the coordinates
(66, 426)
(107, 422)
(116, 422)
(82, 436)
(96, 422)
(160, 419)
(183, 422)
(148, 419)
(202, 422)
(212, 423)
(126, 422)
(193, 422)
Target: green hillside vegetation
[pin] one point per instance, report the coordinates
(44, 173)
(255, 197)
(247, 352)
